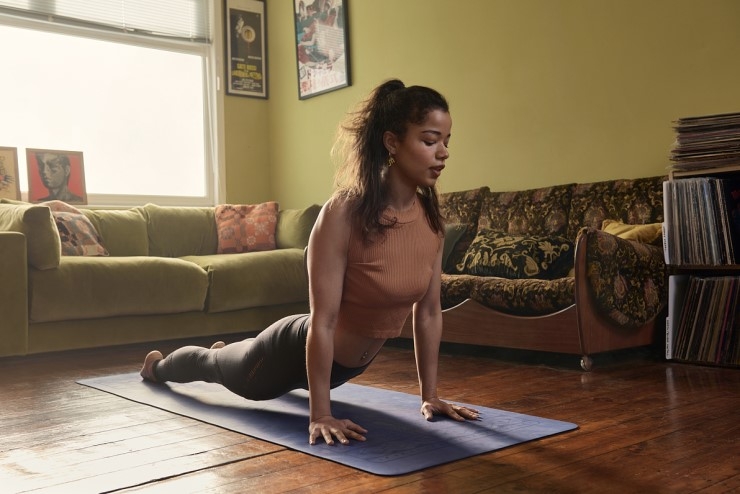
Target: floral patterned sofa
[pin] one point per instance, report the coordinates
(573, 268)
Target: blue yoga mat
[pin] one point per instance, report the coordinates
(399, 439)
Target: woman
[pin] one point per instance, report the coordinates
(374, 257)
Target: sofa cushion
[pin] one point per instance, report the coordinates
(494, 253)
(526, 297)
(632, 201)
(542, 211)
(650, 233)
(123, 231)
(43, 246)
(246, 227)
(78, 235)
(294, 227)
(462, 207)
(76, 232)
(253, 279)
(453, 233)
(180, 231)
(456, 289)
(91, 287)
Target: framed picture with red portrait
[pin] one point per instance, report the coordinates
(56, 175)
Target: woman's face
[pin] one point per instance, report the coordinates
(53, 173)
(420, 157)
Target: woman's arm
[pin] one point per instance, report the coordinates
(327, 260)
(427, 324)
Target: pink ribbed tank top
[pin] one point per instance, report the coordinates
(386, 277)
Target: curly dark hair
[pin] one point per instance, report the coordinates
(361, 176)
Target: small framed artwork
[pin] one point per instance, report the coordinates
(246, 48)
(56, 175)
(322, 46)
(10, 187)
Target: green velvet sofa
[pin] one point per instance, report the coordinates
(162, 278)
(581, 288)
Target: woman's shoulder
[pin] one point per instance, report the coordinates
(336, 215)
(339, 207)
(331, 232)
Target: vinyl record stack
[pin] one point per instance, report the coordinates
(702, 221)
(711, 141)
(701, 240)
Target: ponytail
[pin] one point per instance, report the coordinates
(391, 106)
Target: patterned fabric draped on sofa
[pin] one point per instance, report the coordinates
(569, 211)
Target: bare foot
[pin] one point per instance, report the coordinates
(147, 371)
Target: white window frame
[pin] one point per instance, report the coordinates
(212, 98)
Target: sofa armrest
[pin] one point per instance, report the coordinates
(626, 280)
(13, 294)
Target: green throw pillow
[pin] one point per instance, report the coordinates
(123, 231)
(294, 227)
(180, 231)
(494, 253)
(453, 233)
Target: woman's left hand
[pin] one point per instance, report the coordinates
(435, 406)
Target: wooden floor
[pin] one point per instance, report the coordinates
(645, 426)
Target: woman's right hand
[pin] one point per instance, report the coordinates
(328, 427)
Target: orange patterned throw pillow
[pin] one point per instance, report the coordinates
(246, 227)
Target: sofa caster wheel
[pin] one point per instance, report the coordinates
(586, 363)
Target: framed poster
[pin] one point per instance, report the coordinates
(56, 175)
(10, 188)
(246, 48)
(322, 46)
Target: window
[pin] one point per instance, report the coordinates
(136, 101)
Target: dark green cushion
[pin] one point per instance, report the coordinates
(494, 253)
(294, 227)
(453, 233)
(462, 207)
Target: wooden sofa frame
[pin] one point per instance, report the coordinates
(577, 330)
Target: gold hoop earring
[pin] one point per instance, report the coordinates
(391, 161)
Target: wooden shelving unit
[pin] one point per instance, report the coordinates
(702, 242)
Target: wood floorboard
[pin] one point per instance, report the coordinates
(731, 485)
(645, 426)
(591, 451)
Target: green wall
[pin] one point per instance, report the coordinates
(246, 154)
(541, 91)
